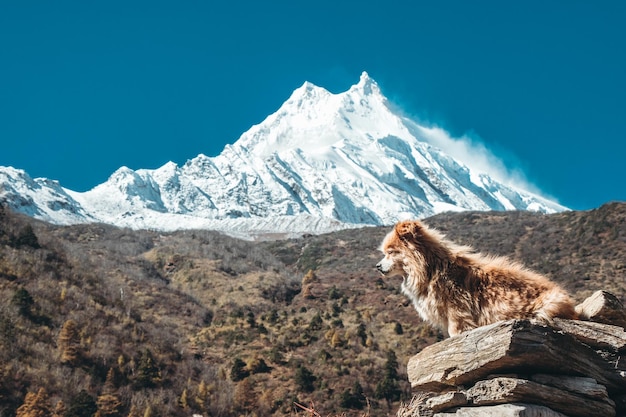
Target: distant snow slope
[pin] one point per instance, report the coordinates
(321, 162)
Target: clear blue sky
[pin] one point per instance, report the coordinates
(86, 87)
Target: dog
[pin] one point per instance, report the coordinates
(456, 289)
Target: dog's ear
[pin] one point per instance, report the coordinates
(408, 229)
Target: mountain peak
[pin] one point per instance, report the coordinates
(307, 92)
(366, 84)
(321, 162)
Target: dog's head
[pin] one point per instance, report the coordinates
(403, 239)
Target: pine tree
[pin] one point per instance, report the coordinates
(24, 302)
(250, 319)
(108, 403)
(388, 387)
(316, 322)
(238, 371)
(353, 398)
(361, 333)
(35, 405)
(69, 343)
(148, 373)
(391, 365)
(27, 237)
(83, 405)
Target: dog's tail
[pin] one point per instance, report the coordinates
(556, 303)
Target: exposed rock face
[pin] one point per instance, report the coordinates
(526, 368)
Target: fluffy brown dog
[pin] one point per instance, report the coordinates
(456, 290)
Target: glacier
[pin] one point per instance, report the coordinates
(320, 163)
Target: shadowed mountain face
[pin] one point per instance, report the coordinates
(198, 322)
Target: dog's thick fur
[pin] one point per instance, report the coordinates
(456, 290)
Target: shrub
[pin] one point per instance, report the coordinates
(305, 379)
(238, 370)
(23, 301)
(258, 366)
(316, 322)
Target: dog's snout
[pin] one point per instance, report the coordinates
(379, 266)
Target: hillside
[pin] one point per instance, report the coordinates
(198, 322)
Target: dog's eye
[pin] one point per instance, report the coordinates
(392, 252)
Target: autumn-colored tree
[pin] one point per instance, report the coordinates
(182, 400)
(336, 340)
(202, 395)
(35, 405)
(69, 343)
(266, 402)
(133, 411)
(108, 403)
(245, 398)
(307, 284)
(306, 292)
(309, 277)
(121, 361)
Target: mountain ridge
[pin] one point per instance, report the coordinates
(321, 162)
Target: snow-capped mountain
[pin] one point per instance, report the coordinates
(321, 162)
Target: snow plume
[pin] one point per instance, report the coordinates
(471, 151)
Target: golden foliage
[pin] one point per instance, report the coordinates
(108, 402)
(35, 405)
(69, 343)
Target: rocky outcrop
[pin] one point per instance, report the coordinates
(527, 368)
